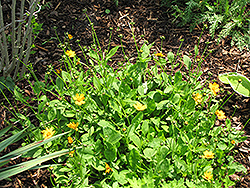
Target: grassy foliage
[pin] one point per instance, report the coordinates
(227, 18)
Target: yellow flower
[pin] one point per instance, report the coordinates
(48, 133)
(140, 107)
(233, 142)
(214, 88)
(58, 71)
(70, 36)
(70, 53)
(108, 169)
(159, 55)
(71, 153)
(70, 140)
(73, 125)
(220, 114)
(208, 154)
(79, 99)
(197, 98)
(207, 175)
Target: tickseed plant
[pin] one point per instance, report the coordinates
(135, 126)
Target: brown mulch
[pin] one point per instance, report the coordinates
(151, 21)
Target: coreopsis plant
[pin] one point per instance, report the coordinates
(114, 140)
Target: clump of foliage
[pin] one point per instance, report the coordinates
(228, 18)
(134, 126)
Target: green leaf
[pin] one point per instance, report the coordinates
(111, 52)
(16, 169)
(187, 61)
(59, 83)
(176, 98)
(110, 152)
(149, 152)
(69, 113)
(240, 84)
(145, 51)
(94, 55)
(4, 130)
(163, 167)
(196, 50)
(177, 78)
(145, 127)
(134, 159)
(11, 140)
(111, 135)
(113, 104)
(170, 56)
(97, 83)
(28, 147)
(66, 76)
(135, 139)
(151, 106)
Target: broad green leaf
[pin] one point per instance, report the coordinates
(224, 78)
(97, 83)
(145, 51)
(134, 159)
(104, 123)
(187, 61)
(176, 98)
(145, 127)
(111, 52)
(111, 135)
(66, 76)
(135, 139)
(149, 152)
(151, 106)
(177, 78)
(110, 152)
(59, 83)
(163, 167)
(240, 84)
(69, 113)
(170, 56)
(113, 104)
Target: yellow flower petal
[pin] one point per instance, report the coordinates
(220, 114)
(70, 53)
(208, 154)
(79, 99)
(140, 107)
(73, 125)
(108, 169)
(48, 133)
(70, 140)
(207, 175)
(214, 88)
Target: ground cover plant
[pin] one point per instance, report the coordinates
(135, 126)
(225, 18)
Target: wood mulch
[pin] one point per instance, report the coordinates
(151, 21)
